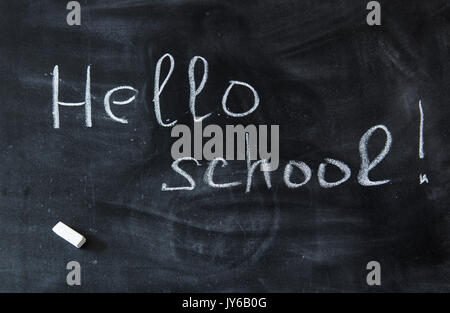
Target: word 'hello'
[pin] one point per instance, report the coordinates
(158, 89)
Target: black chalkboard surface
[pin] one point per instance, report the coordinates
(321, 73)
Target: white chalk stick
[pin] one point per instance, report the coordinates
(67, 233)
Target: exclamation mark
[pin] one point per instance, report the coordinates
(422, 177)
(421, 154)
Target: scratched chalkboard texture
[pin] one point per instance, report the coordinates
(321, 73)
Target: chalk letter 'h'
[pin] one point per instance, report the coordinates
(57, 103)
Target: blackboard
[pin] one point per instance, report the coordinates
(322, 74)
